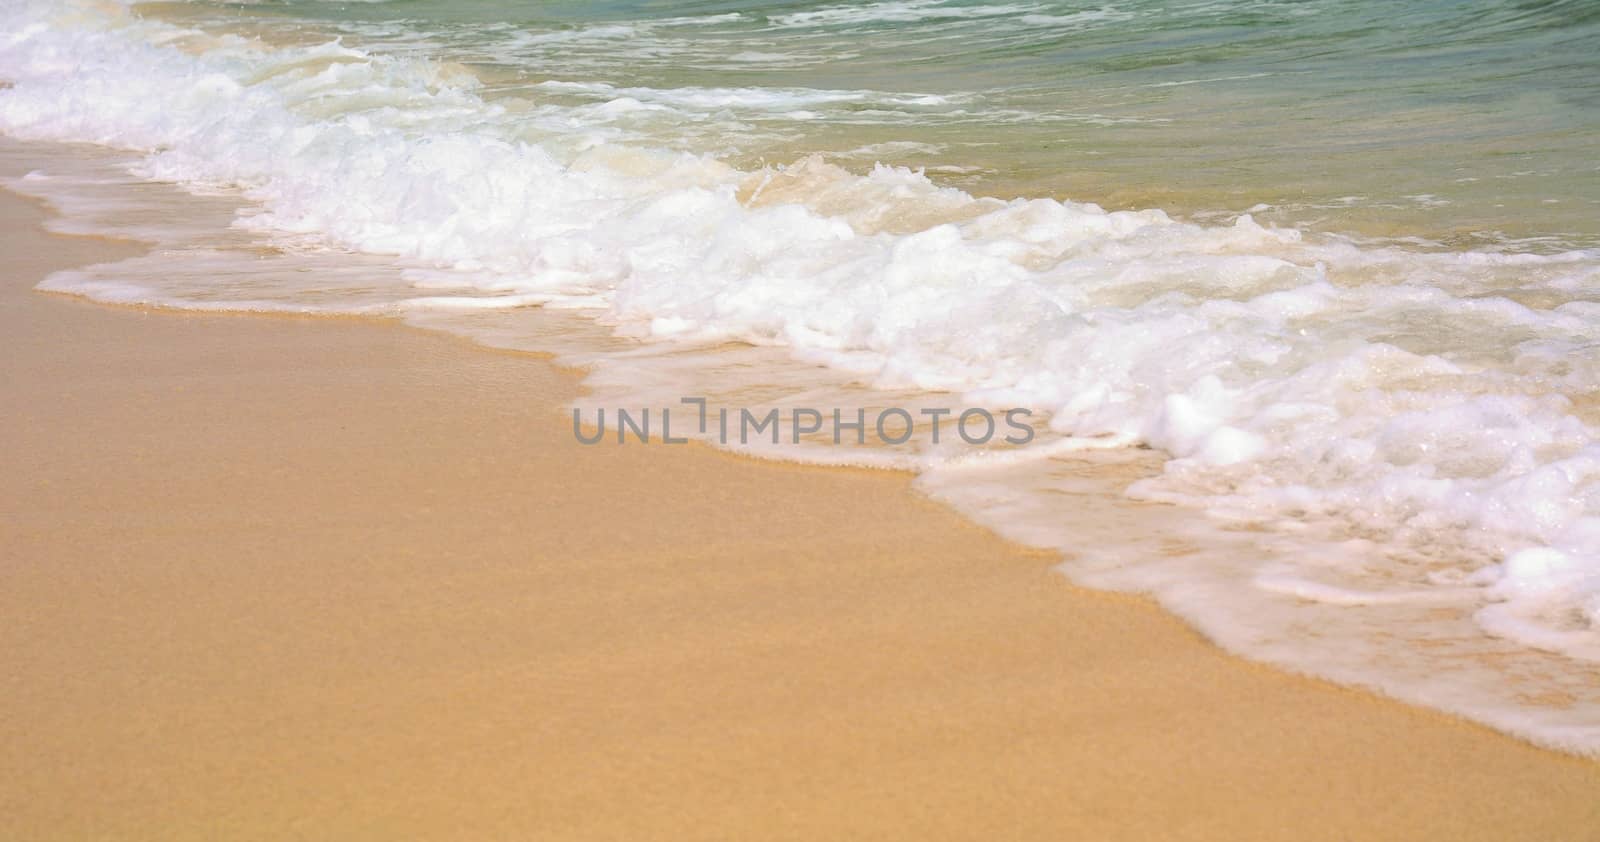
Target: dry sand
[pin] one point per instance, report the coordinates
(276, 578)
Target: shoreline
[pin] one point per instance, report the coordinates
(1374, 438)
(268, 575)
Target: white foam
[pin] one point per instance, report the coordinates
(896, 12)
(760, 99)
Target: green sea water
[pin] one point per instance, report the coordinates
(1461, 122)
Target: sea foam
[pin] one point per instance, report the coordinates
(1381, 462)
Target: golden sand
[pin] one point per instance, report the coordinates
(276, 578)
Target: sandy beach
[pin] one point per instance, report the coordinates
(279, 578)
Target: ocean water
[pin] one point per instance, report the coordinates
(1304, 296)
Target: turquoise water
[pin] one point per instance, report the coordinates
(1462, 122)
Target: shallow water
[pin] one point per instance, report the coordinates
(1460, 122)
(1351, 432)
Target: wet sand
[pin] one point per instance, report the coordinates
(280, 578)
